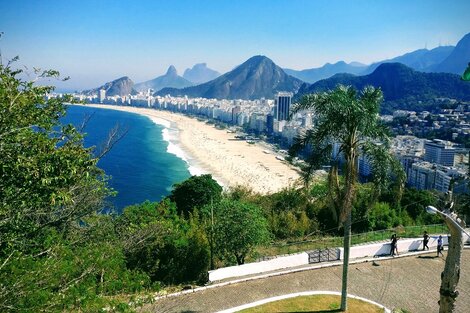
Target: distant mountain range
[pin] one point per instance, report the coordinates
(315, 74)
(259, 77)
(119, 87)
(445, 59)
(403, 87)
(256, 78)
(170, 79)
(421, 60)
(199, 74)
(457, 60)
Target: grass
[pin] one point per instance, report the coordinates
(315, 303)
(281, 248)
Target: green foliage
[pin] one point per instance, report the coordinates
(239, 227)
(80, 273)
(54, 255)
(381, 216)
(195, 192)
(349, 120)
(414, 202)
(158, 242)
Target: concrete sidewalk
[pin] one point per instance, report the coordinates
(410, 282)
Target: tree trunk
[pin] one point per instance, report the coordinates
(347, 209)
(451, 274)
(346, 246)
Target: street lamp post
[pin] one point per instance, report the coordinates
(451, 274)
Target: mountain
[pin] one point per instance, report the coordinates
(200, 74)
(457, 61)
(403, 87)
(256, 78)
(315, 74)
(421, 60)
(170, 79)
(120, 87)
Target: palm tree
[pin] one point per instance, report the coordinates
(350, 121)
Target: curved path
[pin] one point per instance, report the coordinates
(410, 283)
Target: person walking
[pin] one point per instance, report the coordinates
(393, 245)
(439, 246)
(425, 240)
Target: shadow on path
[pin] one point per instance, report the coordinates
(427, 257)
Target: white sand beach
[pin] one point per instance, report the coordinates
(231, 161)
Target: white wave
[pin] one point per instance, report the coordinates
(170, 135)
(160, 121)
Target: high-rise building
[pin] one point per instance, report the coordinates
(102, 95)
(439, 152)
(422, 176)
(235, 112)
(270, 124)
(283, 101)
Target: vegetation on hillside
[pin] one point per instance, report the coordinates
(59, 252)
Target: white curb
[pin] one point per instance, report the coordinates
(297, 294)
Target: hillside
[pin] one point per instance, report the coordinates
(256, 78)
(119, 87)
(457, 61)
(420, 60)
(403, 87)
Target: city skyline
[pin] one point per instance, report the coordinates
(95, 42)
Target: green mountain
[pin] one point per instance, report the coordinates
(403, 87)
(119, 87)
(256, 78)
(170, 79)
(313, 75)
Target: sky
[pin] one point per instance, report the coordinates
(97, 41)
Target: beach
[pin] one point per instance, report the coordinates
(232, 162)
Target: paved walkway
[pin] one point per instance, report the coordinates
(411, 283)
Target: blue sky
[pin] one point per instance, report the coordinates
(97, 41)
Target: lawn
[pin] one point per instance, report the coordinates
(314, 303)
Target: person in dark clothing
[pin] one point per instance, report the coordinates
(439, 246)
(425, 241)
(393, 245)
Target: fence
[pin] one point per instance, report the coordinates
(323, 255)
(330, 242)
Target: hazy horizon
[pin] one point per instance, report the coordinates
(94, 42)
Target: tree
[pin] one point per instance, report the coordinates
(195, 192)
(350, 121)
(52, 254)
(47, 177)
(160, 243)
(239, 227)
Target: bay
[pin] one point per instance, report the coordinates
(140, 166)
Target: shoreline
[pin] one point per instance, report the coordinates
(205, 149)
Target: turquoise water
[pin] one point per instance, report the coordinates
(139, 165)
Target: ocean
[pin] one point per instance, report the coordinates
(143, 165)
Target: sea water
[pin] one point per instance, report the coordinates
(145, 163)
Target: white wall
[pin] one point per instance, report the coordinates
(259, 267)
(403, 245)
(293, 260)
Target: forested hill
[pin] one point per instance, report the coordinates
(403, 87)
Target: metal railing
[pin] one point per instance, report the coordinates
(323, 255)
(325, 242)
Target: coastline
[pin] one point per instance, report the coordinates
(206, 149)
